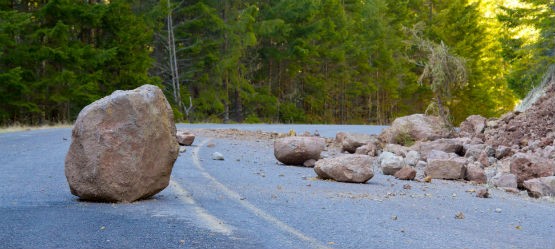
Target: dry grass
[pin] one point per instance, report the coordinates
(19, 127)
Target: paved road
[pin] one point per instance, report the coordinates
(249, 201)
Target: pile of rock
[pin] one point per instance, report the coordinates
(419, 147)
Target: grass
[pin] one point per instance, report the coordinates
(19, 127)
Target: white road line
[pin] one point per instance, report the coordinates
(249, 206)
(209, 221)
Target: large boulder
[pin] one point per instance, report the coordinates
(445, 167)
(529, 166)
(543, 186)
(297, 150)
(390, 163)
(416, 127)
(351, 141)
(123, 147)
(346, 168)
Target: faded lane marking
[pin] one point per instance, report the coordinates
(211, 222)
(249, 206)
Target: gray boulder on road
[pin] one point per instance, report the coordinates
(346, 168)
(390, 163)
(123, 147)
(297, 150)
(416, 127)
(442, 167)
(350, 141)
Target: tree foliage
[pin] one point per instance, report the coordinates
(325, 61)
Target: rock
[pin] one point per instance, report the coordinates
(297, 150)
(449, 168)
(529, 166)
(543, 186)
(475, 173)
(370, 149)
(412, 157)
(446, 145)
(420, 167)
(406, 173)
(390, 163)
(474, 150)
(185, 138)
(123, 147)
(504, 180)
(182, 149)
(502, 151)
(309, 163)
(482, 193)
(437, 154)
(473, 125)
(217, 156)
(418, 127)
(484, 159)
(525, 128)
(351, 141)
(396, 149)
(346, 168)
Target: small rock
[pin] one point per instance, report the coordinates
(475, 173)
(217, 156)
(185, 138)
(346, 168)
(182, 149)
(412, 157)
(406, 173)
(473, 125)
(407, 186)
(482, 193)
(504, 180)
(351, 141)
(390, 163)
(498, 210)
(459, 216)
(394, 217)
(428, 179)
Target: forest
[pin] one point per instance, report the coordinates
(273, 61)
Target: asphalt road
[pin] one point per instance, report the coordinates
(250, 201)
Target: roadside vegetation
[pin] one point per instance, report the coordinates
(282, 61)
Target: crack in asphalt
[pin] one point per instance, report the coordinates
(249, 206)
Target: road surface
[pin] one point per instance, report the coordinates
(250, 201)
